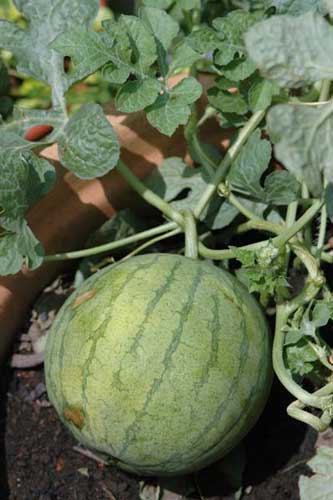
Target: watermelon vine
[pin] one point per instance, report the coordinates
(269, 85)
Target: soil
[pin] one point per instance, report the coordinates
(39, 459)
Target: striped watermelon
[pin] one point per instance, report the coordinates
(162, 363)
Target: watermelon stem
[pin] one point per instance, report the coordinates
(79, 254)
(191, 235)
(149, 196)
(321, 399)
(225, 164)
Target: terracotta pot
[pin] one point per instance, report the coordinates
(64, 218)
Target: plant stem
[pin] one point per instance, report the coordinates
(322, 230)
(191, 235)
(282, 373)
(79, 254)
(255, 221)
(322, 227)
(307, 259)
(225, 164)
(203, 158)
(148, 195)
(152, 242)
(291, 231)
(229, 253)
(191, 136)
(290, 221)
(327, 257)
(284, 235)
(325, 90)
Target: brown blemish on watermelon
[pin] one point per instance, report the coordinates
(83, 298)
(75, 416)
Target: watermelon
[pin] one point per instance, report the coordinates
(161, 363)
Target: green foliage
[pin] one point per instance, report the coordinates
(74, 143)
(297, 7)
(302, 141)
(304, 345)
(270, 64)
(274, 45)
(262, 271)
(280, 188)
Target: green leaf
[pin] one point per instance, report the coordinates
(322, 313)
(239, 69)
(164, 29)
(232, 28)
(220, 214)
(182, 56)
(158, 4)
(173, 107)
(25, 178)
(261, 93)
(47, 20)
(23, 119)
(261, 273)
(297, 7)
(303, 141)
(224, 84)
(250, 164)
(281, 188)
(18, 247)
(142, 41)
(174, 177)
(88, 51)
(227, 102)
(203, 40)
(300, 358)
(329, 200)
(137, 95)
(292, 51)
(320, 484)
(189, 4)
(89, 146)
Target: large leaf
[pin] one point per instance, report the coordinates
(297, 7)
(292, 51)
(303, 137)
(173, 107)
(47, 19)
(89, 146)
